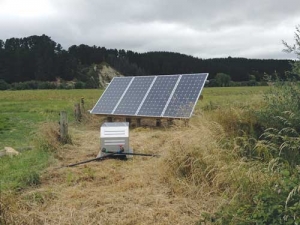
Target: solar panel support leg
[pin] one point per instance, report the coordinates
(109, 119)
(158, 122)
(128, 120)
(170, 122)
(138, 122)
(186, 122)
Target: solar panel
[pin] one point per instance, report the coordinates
(170, 96)
(111, 95)
(158, 96)
(134, 96)
(186, 94)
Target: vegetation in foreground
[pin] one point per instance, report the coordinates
(276, 199)
(237, 165)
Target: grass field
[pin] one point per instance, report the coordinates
(231, 96)
(22, 111)
(141, 191)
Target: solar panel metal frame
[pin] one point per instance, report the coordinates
(205, 75)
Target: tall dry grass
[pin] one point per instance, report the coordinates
(197, 164)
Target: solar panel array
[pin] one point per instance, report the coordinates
(170, 96)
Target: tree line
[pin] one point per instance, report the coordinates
(40, 58)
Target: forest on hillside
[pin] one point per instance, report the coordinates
(39, 58)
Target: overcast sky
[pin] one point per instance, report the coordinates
(202, 28)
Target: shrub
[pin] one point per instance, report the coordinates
(282, 98)
(281, 119)
(46, 85)
(32, 85)
(20, 86)
(4, 85)
(79, 85)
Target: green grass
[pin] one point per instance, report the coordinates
(22, 111)
(230, 96)
(23, 170)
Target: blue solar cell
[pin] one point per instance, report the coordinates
(158, 96)
(185, 96)
(169, 96)
(134, 96)
(111, 96)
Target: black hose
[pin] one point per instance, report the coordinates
(138, 154)
(90, 160)
(108, 154)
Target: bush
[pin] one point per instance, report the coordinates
(4, 85)
(20, 86)
(281, 119)
(79, 85)
(33, 85)
(282, 98)
(46, 85)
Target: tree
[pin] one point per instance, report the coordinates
(252, 80)
(295, 48)
(222, 79)
(1, 59)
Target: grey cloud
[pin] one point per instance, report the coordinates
(206, 29)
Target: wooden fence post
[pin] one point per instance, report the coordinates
(77, 112)
(82, 104)
(63, 128)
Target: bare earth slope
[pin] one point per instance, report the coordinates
(106, 74)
